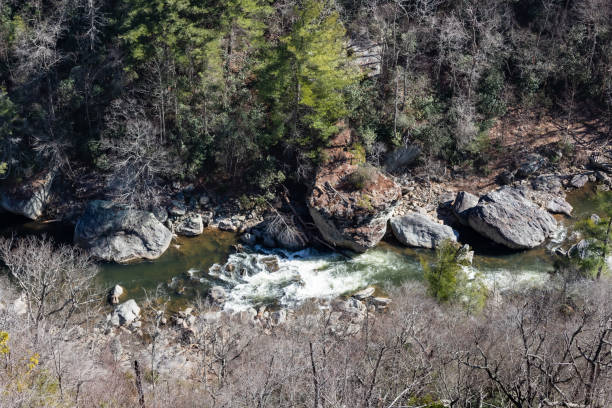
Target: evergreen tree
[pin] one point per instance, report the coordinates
(448, 281)
(306, 73)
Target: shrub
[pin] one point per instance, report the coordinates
(448, 280)
(361, 177)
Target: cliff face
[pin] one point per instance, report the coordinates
(351, 203)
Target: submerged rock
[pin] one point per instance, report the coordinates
(507, 217)
(420, 231)
(28, 198)
(114, 232)
(351, 204)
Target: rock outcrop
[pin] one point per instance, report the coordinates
(351, 203)
(507, 217)
(420, 231)
(113, 232)
(29, 198)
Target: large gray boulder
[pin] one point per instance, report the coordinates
(114, 232)
(420, 231)
(507, 217)
(29, 198)
(462, 204)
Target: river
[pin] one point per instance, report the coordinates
(192, 265)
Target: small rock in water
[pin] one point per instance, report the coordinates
(271, 263)
(579, 180)
(190, 225)
(595, 218)
(558, 205)
(114, 294)
(418, 230)
(365, 293)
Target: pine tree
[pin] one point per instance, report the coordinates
(305, 74)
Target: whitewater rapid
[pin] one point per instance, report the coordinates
(288, 279)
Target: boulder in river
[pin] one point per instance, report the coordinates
(507, 217)
(350, 203)
(28, 198)
(189, 225)
(420, 231)
(117, 233)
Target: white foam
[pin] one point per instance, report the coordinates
(300, 276)
(310, 274)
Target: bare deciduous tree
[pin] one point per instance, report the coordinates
(57, 282)
(136, 157)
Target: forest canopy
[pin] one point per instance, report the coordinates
(244, 90)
